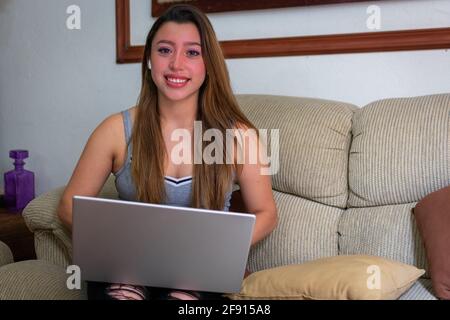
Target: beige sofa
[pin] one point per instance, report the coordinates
(347, 182)
(6, 256)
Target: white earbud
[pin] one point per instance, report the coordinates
(149, 64)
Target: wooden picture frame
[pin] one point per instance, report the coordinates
(207, 6)
(419, 39)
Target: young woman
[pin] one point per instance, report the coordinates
(184, 80)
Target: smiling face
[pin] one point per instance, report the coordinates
(178, 69)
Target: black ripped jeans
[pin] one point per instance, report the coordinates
(108, 291)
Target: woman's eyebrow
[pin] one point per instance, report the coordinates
(189, 43)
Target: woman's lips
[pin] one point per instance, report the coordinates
(176, 82)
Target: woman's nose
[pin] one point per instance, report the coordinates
(177, 61)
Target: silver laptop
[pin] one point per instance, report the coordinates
(160, 246)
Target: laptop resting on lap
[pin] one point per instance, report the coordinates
(153, 245)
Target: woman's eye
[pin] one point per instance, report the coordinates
(193, 53)
(164, 50)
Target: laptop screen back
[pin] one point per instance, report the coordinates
(137, 243)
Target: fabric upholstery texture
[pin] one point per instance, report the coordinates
(421, 290)
(49, 248)
(385, 231)
(399, 152)
(306, 231)
(6, 255)
(314, 139)
(41, 212)
(36, 280)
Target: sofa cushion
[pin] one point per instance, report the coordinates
(334, 278)
(400, 150)
(6, 255)
(433, 219)
(50, 248)
(314, 139)
(41, 212)
(421, 290)
(385, 231)
(37, 280)
(306, 231)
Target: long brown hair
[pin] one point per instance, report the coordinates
(217, 109)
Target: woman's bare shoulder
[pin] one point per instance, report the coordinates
(112, 132)
(114, 122)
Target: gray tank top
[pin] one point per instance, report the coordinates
(178, 191)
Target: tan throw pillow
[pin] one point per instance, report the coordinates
(432, 215)
(353, 277)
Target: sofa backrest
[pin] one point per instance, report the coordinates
(399, 154)
(371, 164)
(314, 139)
(400, 150)
(310, 187)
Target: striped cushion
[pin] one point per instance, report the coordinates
(422, 289)
(385, 231)
(314, 142)
(41, 212)
(50, 248)
(306, 231)
(36, 280)
(399, 151)
(5, 254)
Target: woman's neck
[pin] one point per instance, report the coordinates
(179, 114)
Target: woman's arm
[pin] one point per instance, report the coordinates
(93, 167)
(256, 189)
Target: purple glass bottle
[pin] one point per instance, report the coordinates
(19, 183)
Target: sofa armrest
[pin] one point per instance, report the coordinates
(41, 212)
(52, 240)
(6, 255)
(37, 280)
(42, 219)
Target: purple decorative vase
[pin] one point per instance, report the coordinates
(19, 183)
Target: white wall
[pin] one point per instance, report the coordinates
(355, 78)
(56, 85)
